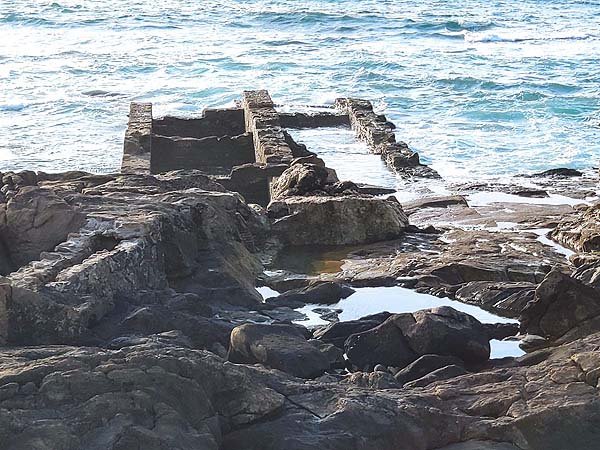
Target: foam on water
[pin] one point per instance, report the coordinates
(478, 88)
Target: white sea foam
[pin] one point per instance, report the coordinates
(522, 36)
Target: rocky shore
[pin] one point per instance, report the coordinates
(130, 316)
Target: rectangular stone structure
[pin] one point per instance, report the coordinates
(262, 120)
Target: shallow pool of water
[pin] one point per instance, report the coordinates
(396, 299)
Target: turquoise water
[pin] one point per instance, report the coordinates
(479, 88)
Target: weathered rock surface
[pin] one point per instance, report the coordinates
(330, 220)
(581, 232)
(299, 179)
(276, 346)
(561, 305)
(139, 240)
(35, 221)
(402, 338)
(164, 396)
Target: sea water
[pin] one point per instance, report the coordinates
(478, 88)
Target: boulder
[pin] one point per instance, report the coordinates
(425, 365)
(402, 338)
(385, 344)
(280, 347)
(446, 331)
(299, 179)
(328, 220)
(337, 333)
(561, 304)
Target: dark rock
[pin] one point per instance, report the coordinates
(561, 303)
(532, 193)
(330, 315)
(561, 172)
(279, 347)
(425, 365)
(500, 331)
(324, 293)
(442, 374)
(434, 202)
(402, 338)
(446, 331)
(37, 221)
(503, 298)
(334, 355)
(481, 445)
(337, 333)
(384, 344)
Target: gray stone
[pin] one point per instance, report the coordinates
(280, 347)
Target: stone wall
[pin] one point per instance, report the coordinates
(262, 120)
(316, 120)
(378, 133)
(139, 129)
(213, 154)
(214, 122)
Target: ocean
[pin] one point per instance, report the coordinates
(479, 88)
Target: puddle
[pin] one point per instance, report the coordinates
(313, 260)
(395, 299)
(542, 237)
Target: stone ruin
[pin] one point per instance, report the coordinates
(77, 248)
(247, 147)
